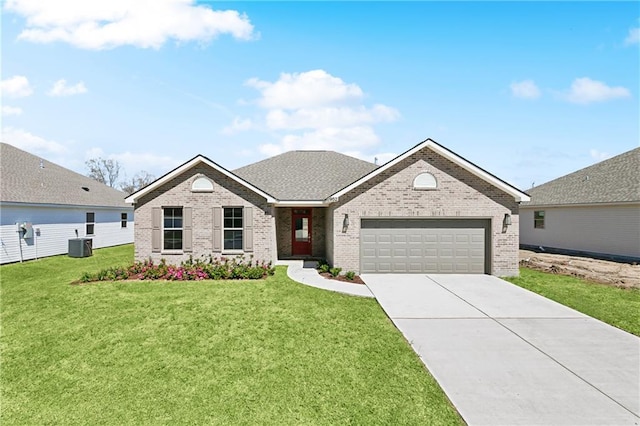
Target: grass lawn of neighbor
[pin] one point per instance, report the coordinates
(201, 352)
(619, 307)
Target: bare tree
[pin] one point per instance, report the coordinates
(138, 181)
(104, 171)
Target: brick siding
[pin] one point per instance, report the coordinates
(226, 193)
(460, 194)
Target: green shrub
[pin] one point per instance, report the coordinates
(350, 275)
(191, 269)
(335, 271)
(324, 268)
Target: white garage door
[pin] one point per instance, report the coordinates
(443, 246)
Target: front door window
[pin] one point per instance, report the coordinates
(301, 232)
(302, 229)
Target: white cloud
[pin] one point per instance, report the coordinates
(108, 24)
(525, 89)
(302, 90)
(633, 37)
(585, 91)
(31, 143)
(599, 155)
(60, 88)
(153, 163)
(237, 125)
(351, 139)
(16, 87)
(9, 110)
(316, 118)
(315, 110)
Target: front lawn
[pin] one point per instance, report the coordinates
(619, 307)
(205, 352)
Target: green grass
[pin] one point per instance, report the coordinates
(249, 352)
(616, 306)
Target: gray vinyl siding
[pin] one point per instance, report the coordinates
(58, 224)
(611, 230)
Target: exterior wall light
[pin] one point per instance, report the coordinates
(507, 219)
(345, 223)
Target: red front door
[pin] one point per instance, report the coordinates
(301, 232)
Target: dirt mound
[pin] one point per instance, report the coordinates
(601, 271)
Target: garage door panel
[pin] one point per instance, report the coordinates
(430, 238)
(424, 246)
(477, 238)
(368, 238)
(415, 252)
(384, 252)
(415, 238)
(400, 267)
(445, 238)
(399, 238)
(384, 238)
(400, 252)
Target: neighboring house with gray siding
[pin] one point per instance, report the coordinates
(43, 206)
(593, 211)
(426, 211)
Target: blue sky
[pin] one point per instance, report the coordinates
(528, 91)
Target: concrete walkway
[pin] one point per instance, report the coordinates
(304, 271)
(507, 356)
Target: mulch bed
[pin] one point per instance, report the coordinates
(355, 280)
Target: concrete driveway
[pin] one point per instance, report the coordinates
(506, 356)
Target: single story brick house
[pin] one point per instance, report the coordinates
(426, 211)
(594, 211)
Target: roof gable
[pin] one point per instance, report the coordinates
(450, 155)
(27, 178)
(616, 180)
(305, 175)
(133, 198)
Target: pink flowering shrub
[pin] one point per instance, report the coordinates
(192, 270)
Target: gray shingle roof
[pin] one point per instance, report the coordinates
(24, 181)
(616, 180)
(305, 175)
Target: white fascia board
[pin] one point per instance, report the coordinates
(294, 203)
(133, 198)
(518, 195)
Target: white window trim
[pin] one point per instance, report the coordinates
(224, 228)
(162, 229)
(543, 219)
(86, 223)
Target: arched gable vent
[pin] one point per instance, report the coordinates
(202, 184)
(425, 181)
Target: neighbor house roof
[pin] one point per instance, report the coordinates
(305, 175)
(451, 156)
(616, 180)
(27, 178)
